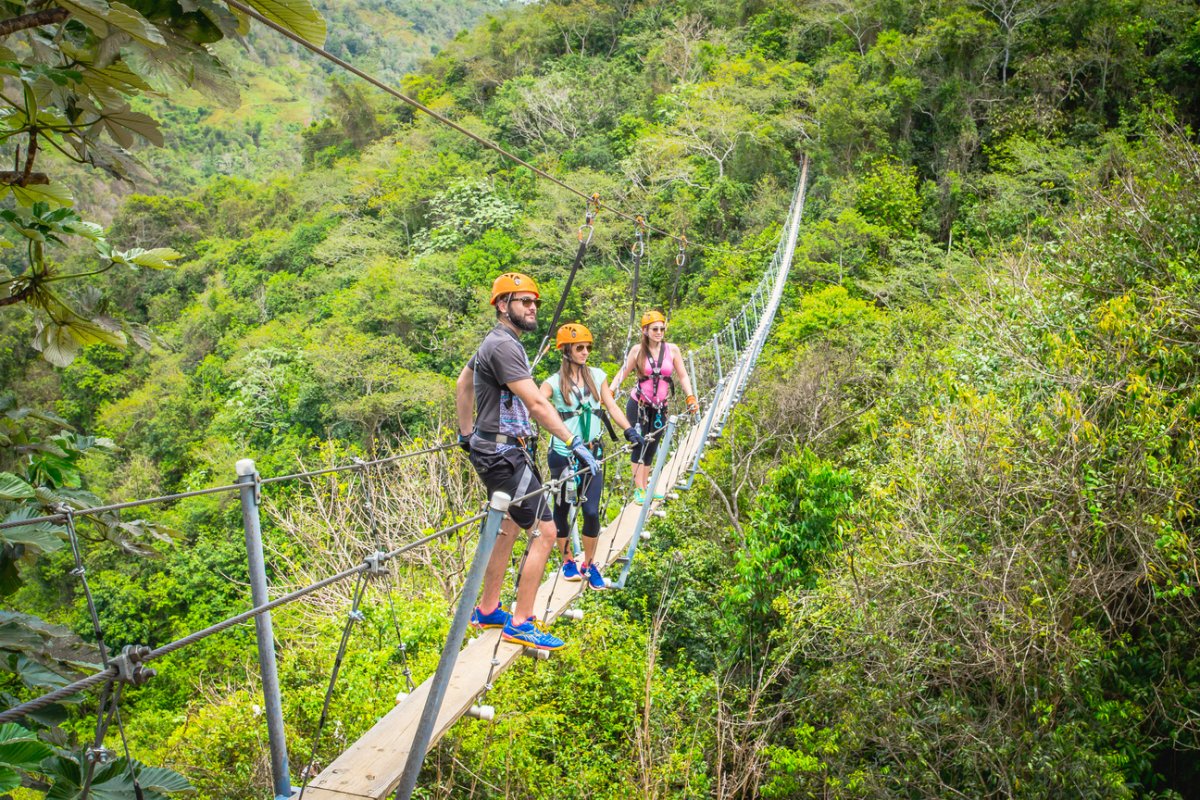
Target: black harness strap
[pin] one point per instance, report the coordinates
(584, 241)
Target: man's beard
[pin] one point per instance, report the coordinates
(523, 323)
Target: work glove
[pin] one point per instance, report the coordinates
(634, 437)
(464, 441)
(692, 406)
(580, 449)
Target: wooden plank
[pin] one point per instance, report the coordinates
(371, 767)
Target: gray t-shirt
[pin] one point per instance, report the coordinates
(499, 361)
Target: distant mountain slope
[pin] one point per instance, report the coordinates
(283, 89)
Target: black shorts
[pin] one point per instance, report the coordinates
(513, 473)
(650, 421)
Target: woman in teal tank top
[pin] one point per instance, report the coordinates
(581, 395)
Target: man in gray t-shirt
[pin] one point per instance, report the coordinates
(497, 383)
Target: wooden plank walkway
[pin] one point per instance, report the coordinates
(371, 767)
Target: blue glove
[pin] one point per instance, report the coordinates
(580, 449)
(634, 437)
(464, 441)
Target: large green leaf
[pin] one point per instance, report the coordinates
(13, 488)
(112, 782)
(167, 781)
(157, 258)
(59, 343)
(129, 20)
(90, 12)
(24, 754)
(32, 674)
(12, 732)
(121, 123)
(298, 16)
(9, 779)
(53, 193)
(31, 537)
(56, 344)
(46, 536)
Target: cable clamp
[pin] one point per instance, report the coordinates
(130, 668)
(98, 755)
(79, 572)
(377, 563)
(356, 616)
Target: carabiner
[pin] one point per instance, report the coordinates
(681, 256)
(593, 208)
(638, 249)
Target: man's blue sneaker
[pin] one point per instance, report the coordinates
(531, 634)
(595, 579)
(570, 571)
(493, 619)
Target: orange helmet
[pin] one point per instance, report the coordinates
(650, 317)
(572, 333)
(511, 282)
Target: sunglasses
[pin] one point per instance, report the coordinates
(657, 329)
(536, 302)
(583, 348)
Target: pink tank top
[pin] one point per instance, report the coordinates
(655, 388)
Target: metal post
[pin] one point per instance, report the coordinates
(708, 421)
(572, 523)
(717, 353)
(663, 446)
(247, 474)
(458, 628)
(692, 373)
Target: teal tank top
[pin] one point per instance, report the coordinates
(585, 424)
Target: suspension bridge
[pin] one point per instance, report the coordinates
(387, 758)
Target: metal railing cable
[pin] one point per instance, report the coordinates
(112, 671)
(358, 464)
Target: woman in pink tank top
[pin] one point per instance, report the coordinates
(657, 364)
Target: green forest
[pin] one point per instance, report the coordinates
(946, 547)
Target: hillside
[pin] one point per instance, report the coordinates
(277, 90)
(948, 546)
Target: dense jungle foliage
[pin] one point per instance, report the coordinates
(947, 546)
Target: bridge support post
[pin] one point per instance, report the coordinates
(660, 459)
(497, 508)
(708, 421)
(692, 374)
(247, 474)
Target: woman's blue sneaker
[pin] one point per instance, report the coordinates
(530, 633)
(639, 496)
(493, 619)
(570, 570)
(595, 579)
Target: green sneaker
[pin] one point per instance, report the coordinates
(639, 496)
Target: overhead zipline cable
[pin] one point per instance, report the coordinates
(321, 51)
